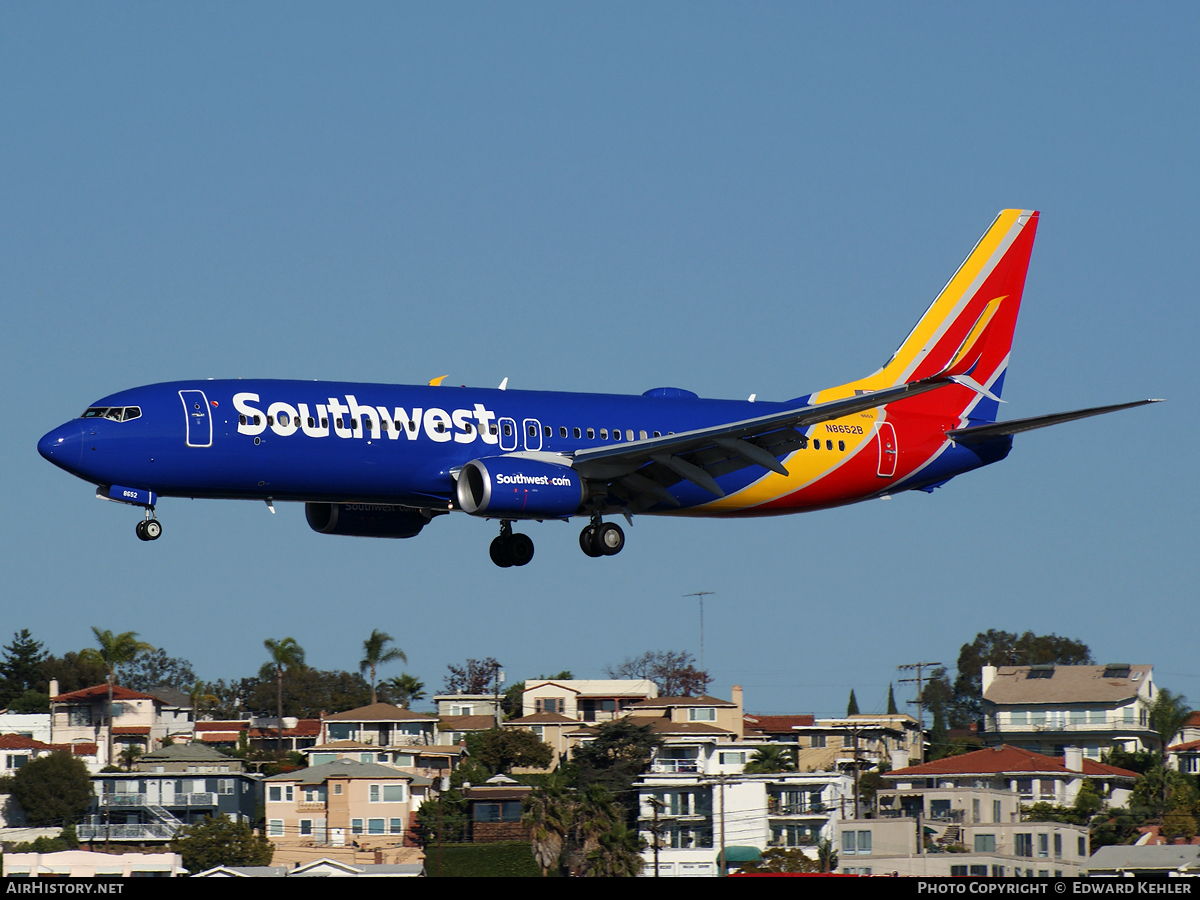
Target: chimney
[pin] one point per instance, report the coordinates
(739, 720)
(989, 675)
(53, 688)
(1073, 758)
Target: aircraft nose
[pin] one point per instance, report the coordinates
(63, 446)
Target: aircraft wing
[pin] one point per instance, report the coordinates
(643, 470)
(977, 433)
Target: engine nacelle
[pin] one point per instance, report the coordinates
(519, 488)
(365, 519)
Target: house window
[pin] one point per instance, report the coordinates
(462, 710)
(539, 732)
(375, 826)
(356, 826)
(395, 793)
(404, 759)
(274, 794)
(733, 759)
(1043, 846)
(1057, 846)
(1082, 846)
(1023, 844)
(226, 786)
(340, 731)
(275, 827)
(337, 788)
(550, 704)
(702, 714)
(314, 794)
(817, 740)
(996, 811)
(78, 715)
(395, 826)
(985, 843)
(306, 828)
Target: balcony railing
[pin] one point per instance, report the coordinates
(673, 766)
(155, 832)
(203, 798)
(1059, 725)
(776, 807)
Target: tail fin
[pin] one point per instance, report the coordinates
(968, 329)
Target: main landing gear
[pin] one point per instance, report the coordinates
(149, 529)
(511, 549)
(601, 538)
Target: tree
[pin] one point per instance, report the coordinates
(476, 677)
(285, 656)
(21, 668)
(770, 760)
(404, 690)
(502, 748)
(780, 859)
(547, 816)
(74, 671)
(892, 709)
(154, 669)
(129, 755)
(53, 790)
(221, 842)
(827, 857)
(618, 853)
(115, 650)
(374, 655)
(674, 674)
(620, 752)
(852, 704)
(1002, 648)
(1168, 714)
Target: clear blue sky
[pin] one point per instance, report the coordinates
(727, 198)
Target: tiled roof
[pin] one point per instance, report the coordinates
(234, 725)
(1068, 684)
(100, 692)
(1184, 747)
(184, 753)
(21, 742)
(304, 728)
(380, 712)
(348, 768)
(1003, 760)
(131, 729)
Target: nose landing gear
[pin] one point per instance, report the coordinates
(149, 529)
(601, 538)
(511, 549)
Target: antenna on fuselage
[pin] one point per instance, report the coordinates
(504, 384)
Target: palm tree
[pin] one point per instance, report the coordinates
(547, 816)
(1168, 714)
(827, 857)
(374, 655)
(404, 690)
(115, 650)
(769, 760)
(285, 654)
(619, 854)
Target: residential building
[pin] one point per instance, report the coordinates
(1184, 752)
(726, 715)
(1011, 849)
(1029, 777)
(585, 700)
(454, 729)
(467, 705)
(432, 761)
(30, 725)
(1165, 861)
(342, 803)
(89, 864)
(380, 725)
(698, 812)
(560, 732)
(494, 810)
(263, 733)
(1047, 708)
(17, 750)
(177, 786)
(81, 717)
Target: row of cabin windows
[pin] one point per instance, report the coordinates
(385, 425)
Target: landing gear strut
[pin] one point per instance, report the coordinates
(601, 538)
(511, 549)
(149, 529)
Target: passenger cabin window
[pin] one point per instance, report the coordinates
(604, 434)
(562, 430)
(547, 431)
(533, 431)
(491, 429)
(841, 445)
(507, 431)
(591, 433)
(616, 434)
(578, 435)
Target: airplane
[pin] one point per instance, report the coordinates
(379, 460)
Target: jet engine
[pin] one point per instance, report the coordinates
(517, 488)
(365, 519)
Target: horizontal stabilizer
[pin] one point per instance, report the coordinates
(977, 433)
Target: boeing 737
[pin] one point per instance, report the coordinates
(378, 460)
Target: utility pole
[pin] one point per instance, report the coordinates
(499, 677)
(700, 595)
(920, 667)
(656, 804)
(724, 866)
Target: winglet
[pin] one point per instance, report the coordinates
(437, 381)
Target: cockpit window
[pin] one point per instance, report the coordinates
(115, 413)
